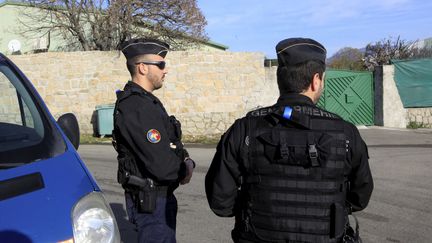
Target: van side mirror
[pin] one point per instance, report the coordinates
(69, 124)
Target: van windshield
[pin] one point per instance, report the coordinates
(26, 133)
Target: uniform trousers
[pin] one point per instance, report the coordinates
(156, 227)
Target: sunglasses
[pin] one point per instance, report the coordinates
(160, 64)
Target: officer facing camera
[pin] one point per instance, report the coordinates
(291, 172)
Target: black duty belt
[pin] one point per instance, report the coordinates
(164, 190)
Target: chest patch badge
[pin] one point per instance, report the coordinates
(153, 136)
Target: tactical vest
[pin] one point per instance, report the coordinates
(295, 187)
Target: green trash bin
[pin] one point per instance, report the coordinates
(104, 119)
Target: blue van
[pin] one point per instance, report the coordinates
(46, 192)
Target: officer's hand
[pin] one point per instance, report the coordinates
(190, 165)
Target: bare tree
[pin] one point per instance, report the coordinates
(104, 24)
(382, 52)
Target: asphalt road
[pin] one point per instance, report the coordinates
(399, 211)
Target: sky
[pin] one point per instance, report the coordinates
(258, 25)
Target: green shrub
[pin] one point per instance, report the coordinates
(415, 125)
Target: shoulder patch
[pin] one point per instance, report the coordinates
(153, 136)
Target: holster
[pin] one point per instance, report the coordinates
(146, 199)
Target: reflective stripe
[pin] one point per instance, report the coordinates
(299, 197)
(283, 170)
(338, 151)
(300, 173)
(285, 236)
(336, 164)
(296, 212)
(296, 184)
(290, 225)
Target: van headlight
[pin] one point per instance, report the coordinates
(93, 220)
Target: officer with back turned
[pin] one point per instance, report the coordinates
(151, 157)
(291, 172)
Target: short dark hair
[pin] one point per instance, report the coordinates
(131, 65)
(297, 78)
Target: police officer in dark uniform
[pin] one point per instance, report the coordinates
(151, 157)
(291, 172)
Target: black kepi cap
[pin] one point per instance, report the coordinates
(142, 46)
(294, 51)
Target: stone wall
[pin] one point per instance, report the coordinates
(8, 112)
(421, 116)
(10, 108)
(207, 91)
(395, 115)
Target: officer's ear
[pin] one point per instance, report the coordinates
(316, 82)
(142, 68)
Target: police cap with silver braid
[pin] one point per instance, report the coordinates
(143, 46)
(294, 51)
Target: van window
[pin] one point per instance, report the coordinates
(26, 133)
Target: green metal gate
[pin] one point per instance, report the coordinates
(350, 95)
